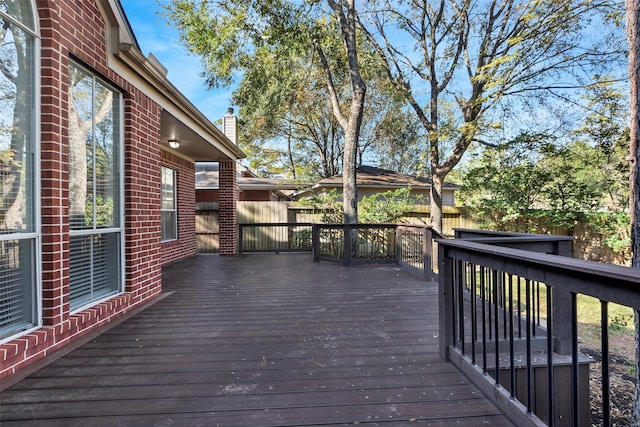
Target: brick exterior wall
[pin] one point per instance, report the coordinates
(76, 29)
(207, 196)
(227, 213)
(185, 245)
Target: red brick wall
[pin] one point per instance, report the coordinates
(185, 245)
(207, 196)
(256, 195)
(76, 28)
(227, 213)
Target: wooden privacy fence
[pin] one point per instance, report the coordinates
(281, 212)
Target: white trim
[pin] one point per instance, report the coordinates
(37, 165)
(34, 163)
(174, 174)
(35, 31)
(119, 146)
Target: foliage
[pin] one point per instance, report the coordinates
(327, 204)
(613, 226)
(530, 181)
(387, 207)
(104, 212)
(477, 64)
(273, 42)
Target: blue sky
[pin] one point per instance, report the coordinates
(155, 36)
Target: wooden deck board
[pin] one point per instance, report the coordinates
(262, 340)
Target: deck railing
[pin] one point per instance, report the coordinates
(407, 245)
(404, 244)
(274, 237)
(510, 323)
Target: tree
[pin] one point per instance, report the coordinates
(232, 35)
(286, 122)
(460, 63)
(633, 39)
(533, 178)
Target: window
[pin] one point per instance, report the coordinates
(18, 169)
(95, 205)
(169, 214)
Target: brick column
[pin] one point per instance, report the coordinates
(227, 213)
(54, 177)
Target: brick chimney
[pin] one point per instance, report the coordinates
(230, 126)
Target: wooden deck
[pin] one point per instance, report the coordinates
(262, 340)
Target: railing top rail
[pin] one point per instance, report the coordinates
(529, 238)
(486, 234)
(607, 282)
(274, 224)
(358, 225)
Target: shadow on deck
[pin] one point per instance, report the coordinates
(262, 340)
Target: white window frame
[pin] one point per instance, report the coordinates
(118, 230)
(34, 236)
(164, 171)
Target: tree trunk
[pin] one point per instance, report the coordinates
(633, 19)
(353, 122)
(437, 181)
(350, 189)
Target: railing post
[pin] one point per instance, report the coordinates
(562, 332)
(445, 302)
(315, 242)
(240, 233)
(347, 233)
(398, 243)
(427, 253)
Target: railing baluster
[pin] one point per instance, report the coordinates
(474, 312)
(489, 294)
(484, 319)
(503, 287)
(550, 373)
(460, 281)
(606, 407)
(512, 362)
(496, 335)
(519, 310)
(529, 325)
(574, 360)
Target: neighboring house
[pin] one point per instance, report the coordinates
(371, 180)
(250, 187)
(97, 174)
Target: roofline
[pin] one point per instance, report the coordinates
(124, 45)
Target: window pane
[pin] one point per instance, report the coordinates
(105, 158)
(168, 197)
(169, 231)
(17, 296)
(93, 267)
(20, 10)
(93, 153)
(16, 135)
(80, 149)
(169, 214)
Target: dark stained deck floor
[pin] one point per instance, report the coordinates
(262, 340)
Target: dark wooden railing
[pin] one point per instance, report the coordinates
(275, 237)
(407, 245)
(510, 323)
